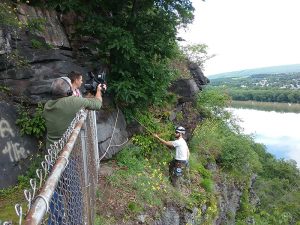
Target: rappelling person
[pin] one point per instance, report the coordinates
(182, 154)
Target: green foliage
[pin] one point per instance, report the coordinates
(205, 139)
(134, 207)
(271, 95)
(12, 195)
(204, 172)
(264, 218)
(212, 210)
(278, 187)
(147, 144)
(4, 89)
(8, 15)
(31, 124)
(36, 44)
(219, 137)
(99, 220)
(40, 44)
(207, 184)
(197, 167)
(277, 184)
(35, 163)
(150, 124)
(16, 59)
(36, 25)
(197, 198)
(137, 39)
(234, 152)
(262, 88)
(238, 155)
(211, 103)
(246, 209)
(139, 175)
(8, 199)
(197, 53)
(131, 159)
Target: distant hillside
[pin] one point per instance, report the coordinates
(265, 70)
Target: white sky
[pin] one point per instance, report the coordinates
(246, 34)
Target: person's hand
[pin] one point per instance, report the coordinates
(155, 135)
(104, 87)
(101, 87)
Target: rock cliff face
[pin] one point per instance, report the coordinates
(29, 62)
(15, 150)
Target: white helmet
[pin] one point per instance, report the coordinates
(180, 129)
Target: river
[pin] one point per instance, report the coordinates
(278, 131)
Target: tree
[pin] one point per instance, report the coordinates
(136, 39)
(197, 53)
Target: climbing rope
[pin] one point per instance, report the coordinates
(109, 145)
(187, 167)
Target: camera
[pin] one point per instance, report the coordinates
(93, 81)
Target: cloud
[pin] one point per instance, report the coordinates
(246, 34)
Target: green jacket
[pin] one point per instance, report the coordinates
(60, 113)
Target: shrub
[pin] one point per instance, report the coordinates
(31, 124)
(207, 184)
(211, 103)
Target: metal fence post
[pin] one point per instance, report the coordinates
(41, 204)
(95, 139)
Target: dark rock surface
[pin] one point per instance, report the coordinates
(29, 70)
(111, 129)
(174, 215)
(228, 201)
(186, 89)
(4, 42)
(198, 75)
(15, 149)
(54, 33)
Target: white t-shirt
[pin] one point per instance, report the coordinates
(181, 149)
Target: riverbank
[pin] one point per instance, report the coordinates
(267, 106)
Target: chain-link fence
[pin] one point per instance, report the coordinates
(65, 191)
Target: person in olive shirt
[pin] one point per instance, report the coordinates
(60, 111)
(59, 114)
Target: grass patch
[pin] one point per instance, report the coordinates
(141, 184)
(134, 207)
(99, 220)
(13, 195)
(138, 174)
(207, 184)
(8, 199)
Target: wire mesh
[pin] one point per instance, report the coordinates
(66, 189)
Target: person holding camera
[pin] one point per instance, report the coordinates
(182, 152)
(60, 111)
(76, 81)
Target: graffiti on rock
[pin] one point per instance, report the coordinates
(5, 129)
(15, 151)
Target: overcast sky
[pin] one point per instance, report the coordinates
(246, 34)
